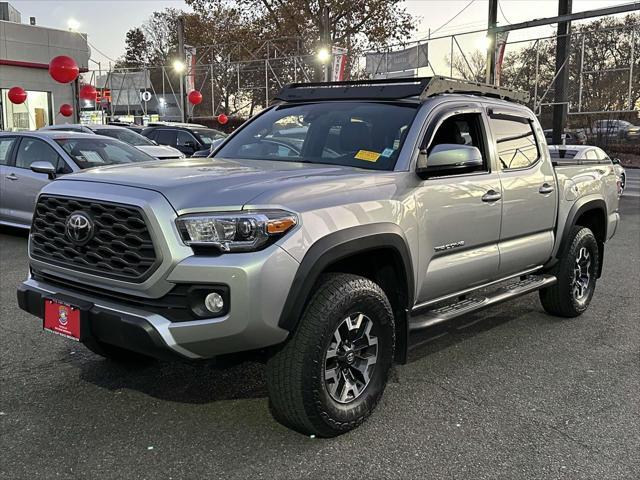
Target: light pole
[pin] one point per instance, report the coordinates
(73, 24)
(180, 63)
(179, 67)
(324, 56)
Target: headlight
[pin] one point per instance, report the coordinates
(235, 232)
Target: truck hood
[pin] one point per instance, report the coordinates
(219, 184)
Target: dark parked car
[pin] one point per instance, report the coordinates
(572, 137)
(188, 140)
(615, 130)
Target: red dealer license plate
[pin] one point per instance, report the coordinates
(62, 318)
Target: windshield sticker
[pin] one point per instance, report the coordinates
(387, 152)
(91, 157)
(367, 155)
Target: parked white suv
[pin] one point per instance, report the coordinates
(142, 143)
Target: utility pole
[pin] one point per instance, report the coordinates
(181, 57)
(563, 47)
(491, 41)
(326, 40)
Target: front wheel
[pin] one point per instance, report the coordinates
(576, 273)
(330, 375)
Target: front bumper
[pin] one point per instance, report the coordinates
(258, 283)
(103, 324)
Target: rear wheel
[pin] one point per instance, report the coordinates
(330, 375)
(576, 273)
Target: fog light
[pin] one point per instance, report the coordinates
(214, 302)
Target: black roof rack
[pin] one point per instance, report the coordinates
(394, 89)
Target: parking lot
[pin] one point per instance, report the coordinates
(509, 393)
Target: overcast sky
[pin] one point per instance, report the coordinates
(107, 21)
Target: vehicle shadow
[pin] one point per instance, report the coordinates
(441, 337)
(184, 382)
(209, 381)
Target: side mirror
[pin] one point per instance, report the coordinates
(44, 167)
(616, 161)
(449, 158)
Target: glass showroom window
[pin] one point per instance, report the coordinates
(33, 114)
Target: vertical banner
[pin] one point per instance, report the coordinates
(190, 57)
(501, 45)
(339, 63)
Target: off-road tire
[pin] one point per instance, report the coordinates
(559, 299)
(298, 394)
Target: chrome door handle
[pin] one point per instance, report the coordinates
(491, 196)
(12, 176)
(545, 188)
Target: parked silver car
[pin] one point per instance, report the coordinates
(586, 154)
(30, 160)
(124, 134)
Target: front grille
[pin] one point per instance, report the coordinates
(121, 246)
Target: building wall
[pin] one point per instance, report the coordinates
(25, 52)
(35, 44)
(7, 12)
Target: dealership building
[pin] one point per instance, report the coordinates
(25, 52)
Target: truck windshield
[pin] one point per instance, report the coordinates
(96, 152)
(358, 134)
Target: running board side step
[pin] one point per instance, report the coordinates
(469, 305)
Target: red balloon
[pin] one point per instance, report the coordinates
(222, 119)
(88, 92)
(195, 97)
(66, 110)
(63, 69)
(17, 95)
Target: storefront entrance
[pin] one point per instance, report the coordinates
(33, 114)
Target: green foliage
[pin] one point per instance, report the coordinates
(359, 23)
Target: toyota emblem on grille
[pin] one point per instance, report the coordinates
(79, 228)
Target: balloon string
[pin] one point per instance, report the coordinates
(31, 118)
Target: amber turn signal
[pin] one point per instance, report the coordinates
(280, 225)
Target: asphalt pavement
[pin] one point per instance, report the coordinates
(632, 187)
(512, 393)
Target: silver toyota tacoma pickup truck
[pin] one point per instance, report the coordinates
(325, 233)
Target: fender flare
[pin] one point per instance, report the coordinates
(334, 247)
(576, 211)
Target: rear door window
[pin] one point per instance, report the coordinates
(166, 137)
(185, 139)
(6, 143)
(34, 150)
(516, 142)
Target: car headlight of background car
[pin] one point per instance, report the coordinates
(237, 231)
